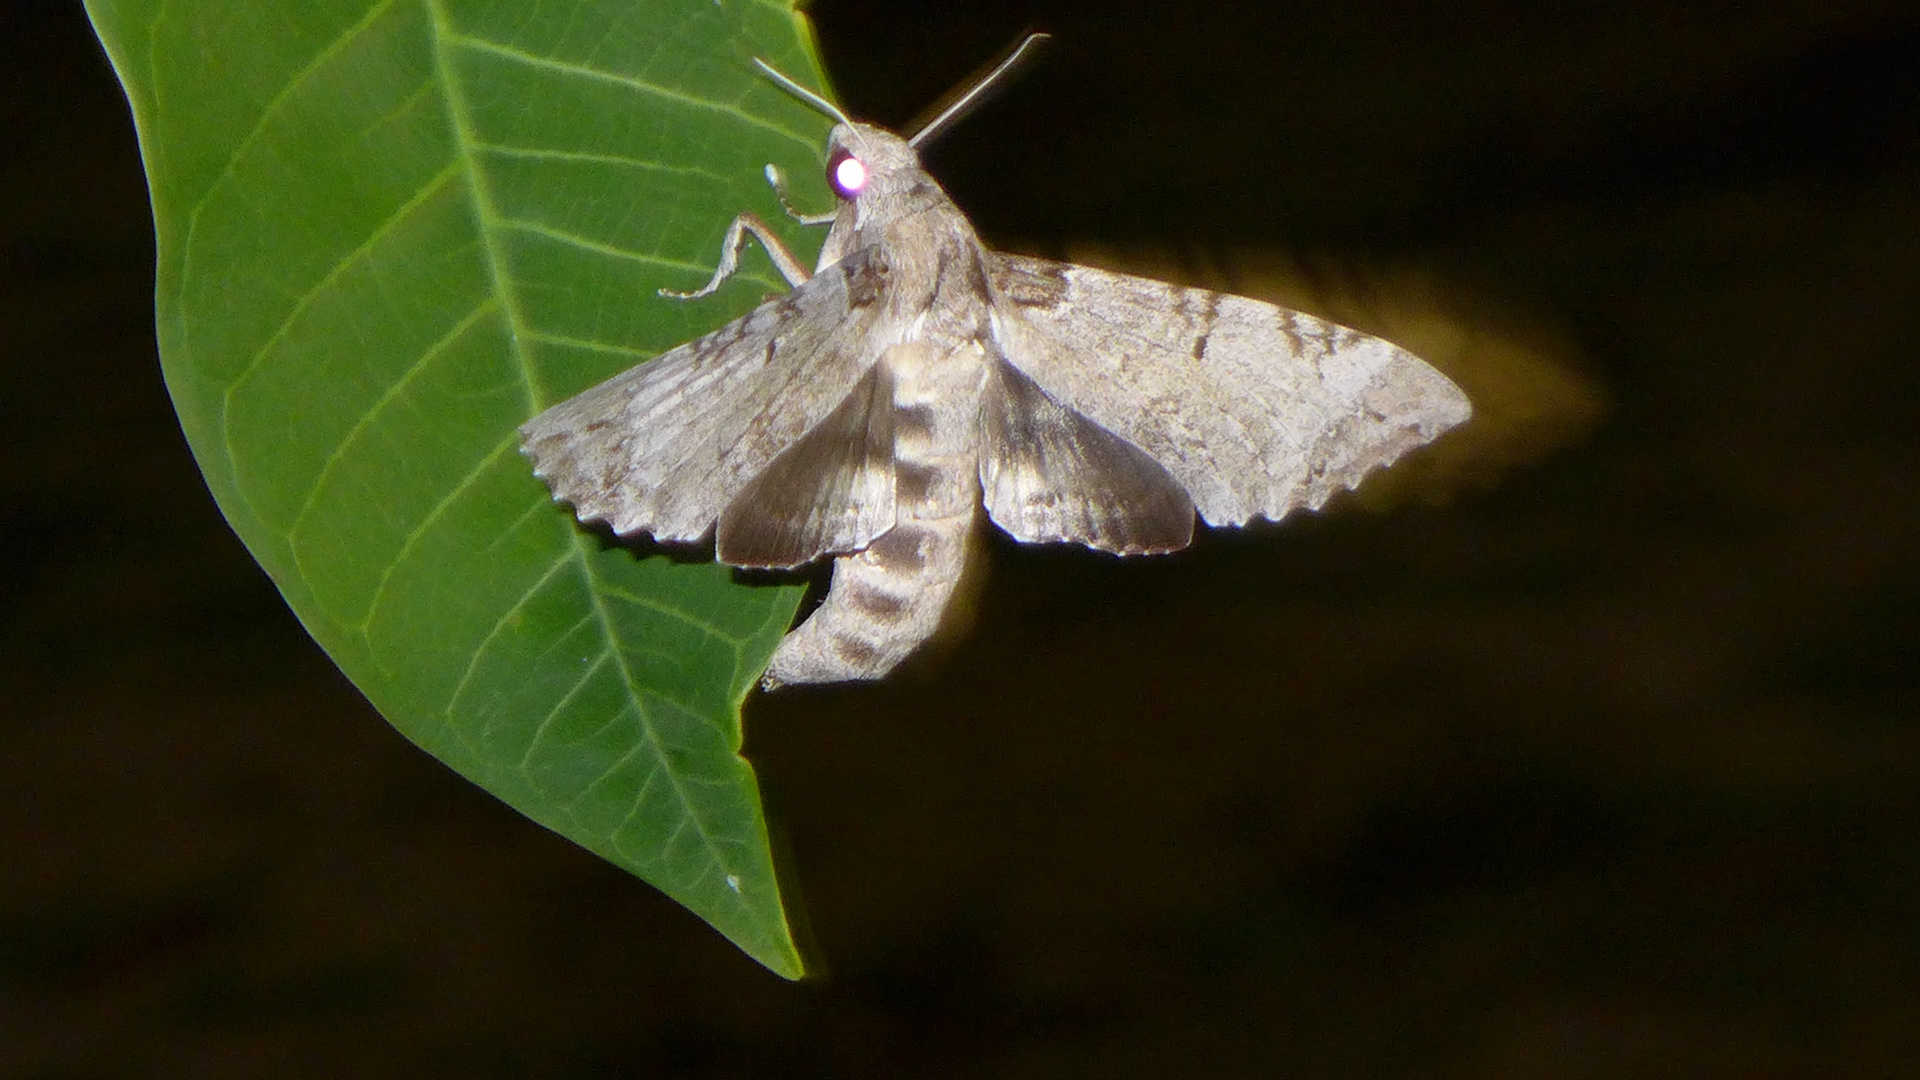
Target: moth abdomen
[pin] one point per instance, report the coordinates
(858, 653)
(883, 603)
(902, 550)
(888, 599)
(913, 426)
(915, 483)
(876, 602)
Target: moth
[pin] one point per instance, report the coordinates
(917, 377)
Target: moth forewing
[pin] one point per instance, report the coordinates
(662, 448)
(1256, 409)
(917, 377)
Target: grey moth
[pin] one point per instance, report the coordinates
(916, 378)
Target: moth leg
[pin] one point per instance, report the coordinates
(779, 183)
(783, 260)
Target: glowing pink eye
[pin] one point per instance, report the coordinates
(847, 174)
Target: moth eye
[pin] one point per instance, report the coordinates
(846, 174)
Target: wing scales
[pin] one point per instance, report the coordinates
(1048, 474)
(1254, 408)
(666, 447)
(829, 492)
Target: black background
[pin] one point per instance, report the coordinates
(1606, 767)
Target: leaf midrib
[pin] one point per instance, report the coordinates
(536, 399)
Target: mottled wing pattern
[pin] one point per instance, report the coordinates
(664, 448)
(1254, 408)
(1048, 474)
(830, 492)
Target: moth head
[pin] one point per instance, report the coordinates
(864, 161)
(869, 167)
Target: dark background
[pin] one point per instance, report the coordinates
(1604, 766)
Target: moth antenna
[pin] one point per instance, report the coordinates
(974, 93)
(800, 92)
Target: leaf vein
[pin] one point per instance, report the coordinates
(415, 534)
(645, 87)
(674, 612)
(393, 221)
(595, 590)
(392, 393)
(279, 100)
(457, 115)
(540, 728)
(572, 239)
(612, 770)
(499, 625)
(544, 338)
(531, 153)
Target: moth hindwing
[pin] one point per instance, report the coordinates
(916, 378)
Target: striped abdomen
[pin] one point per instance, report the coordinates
(888, 599)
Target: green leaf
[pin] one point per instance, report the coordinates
(389, 232)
